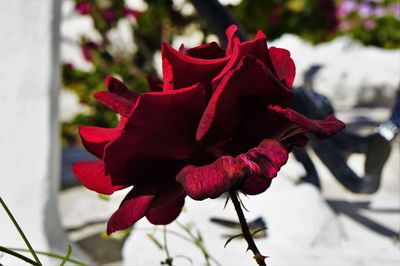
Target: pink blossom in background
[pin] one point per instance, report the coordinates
(346, 7)
(369, 24)
(365, 10)
(395, 10)
(379, 11)
(345, 25)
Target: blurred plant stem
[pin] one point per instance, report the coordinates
(198, 241)
(168, 260)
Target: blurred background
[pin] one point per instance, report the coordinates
(334, 203)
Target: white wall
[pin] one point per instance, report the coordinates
(29, 131)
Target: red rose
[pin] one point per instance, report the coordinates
(217, 122)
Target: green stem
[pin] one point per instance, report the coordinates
(260, 259)
(20, 231)
(15, 254)
(169, 259)
(69, 250)
(51, 255)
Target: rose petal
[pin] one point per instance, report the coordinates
(166, 213)
(283, 64)
(255, 185)
(94, 139)
(274, 123)
(117, 87)
(115, 102)
(161, 127)
(256, 47)
(227, 172)
(206, 51)
(134, 207)
(321, 128)
(181, 70)
(155, 84)
(248, 85)
(92, 175)
(233, 39)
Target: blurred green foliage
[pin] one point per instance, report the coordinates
(313, 20)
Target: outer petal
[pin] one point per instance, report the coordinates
(181, 70)
(117, 87)
(284, 125)
(283, 64)
(245, 87)
(161, 127)
(115, 102)
(134, 207)
(166, 213)
(255, 185)
(92, 175)
(206, 51)
(94, 139)
(320, 128)
(227, 172)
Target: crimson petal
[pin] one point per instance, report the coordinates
(233, 39)
(256, 47)
(181, 70)
(283, 64)
(155, 84)
(94, 139)
(227, 172)
(321, 128)
(255, 185)
(162, 126)
(92, 175)
(250, 78)
(206, 51)
(115, 102)
(134, 207)
(118, 87)
(166, 213)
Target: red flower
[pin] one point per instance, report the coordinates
(87, 49)
(133, 13)
(217, 122)
(109, 15)
(83, 8)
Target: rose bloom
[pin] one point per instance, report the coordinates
(219, 121)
